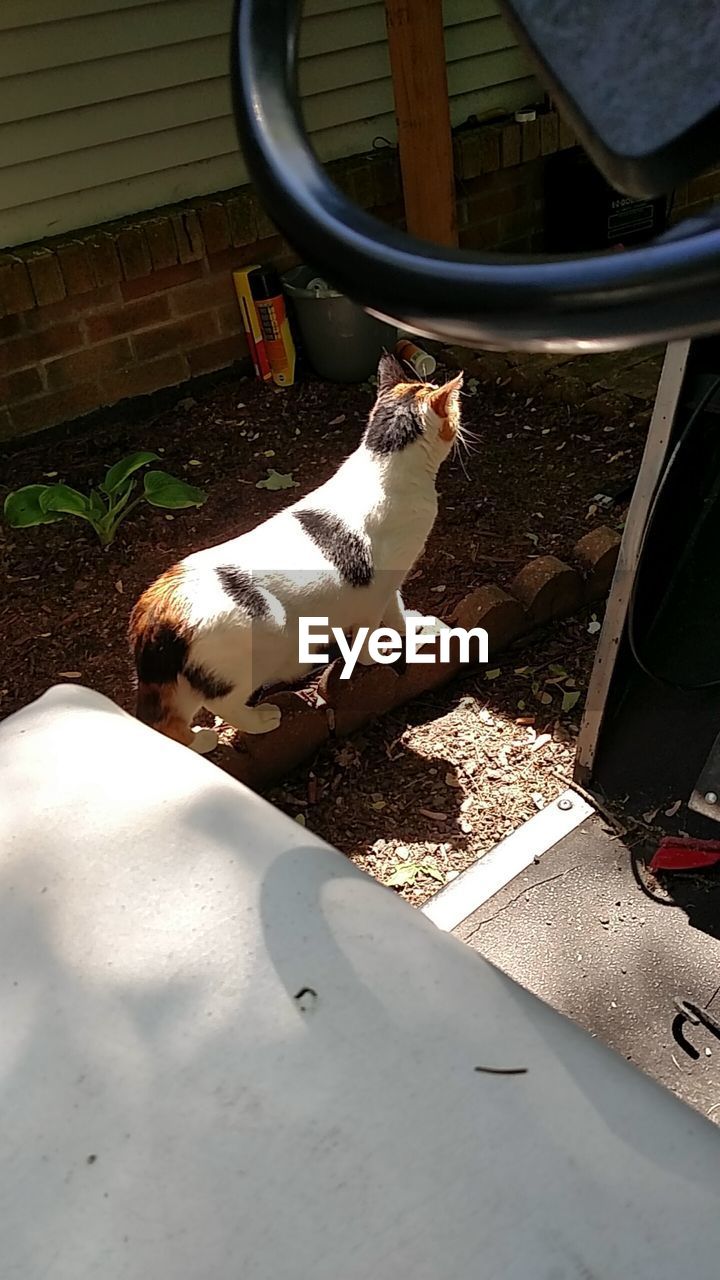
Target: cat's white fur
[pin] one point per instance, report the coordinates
(388, 498)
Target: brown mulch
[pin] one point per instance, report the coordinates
(428, 789)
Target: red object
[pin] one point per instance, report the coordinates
(680, 853)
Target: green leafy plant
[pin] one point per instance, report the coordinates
(107, 506)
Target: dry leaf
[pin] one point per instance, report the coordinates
(277, 480)
(452, 781)
(70, 675)
(541, 741)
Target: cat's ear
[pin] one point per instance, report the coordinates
(444, 399)
(390, 373)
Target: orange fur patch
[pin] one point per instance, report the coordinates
(443, 402)
(163, 602)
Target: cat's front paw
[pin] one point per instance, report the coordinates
(265, 718)
(365, 659)
(203, 741)
(431, 626)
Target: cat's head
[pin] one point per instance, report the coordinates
(412, 415)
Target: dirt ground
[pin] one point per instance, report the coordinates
(430, 788)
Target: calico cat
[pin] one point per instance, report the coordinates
(223, 623)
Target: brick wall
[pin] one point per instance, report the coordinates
(125, 310)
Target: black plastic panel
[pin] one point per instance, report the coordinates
(637, 79)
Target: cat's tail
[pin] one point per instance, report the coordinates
(160, 635)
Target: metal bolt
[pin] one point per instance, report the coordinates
(711, 797)
(567, 804)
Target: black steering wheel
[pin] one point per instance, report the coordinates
(667, 289)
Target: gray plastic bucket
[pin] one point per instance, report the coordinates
(342, 341)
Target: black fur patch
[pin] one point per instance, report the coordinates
(343, 547)
(160, 654)
(206, 683)
(391, 372)
(395, 422)
(149, 705)
(240, 587)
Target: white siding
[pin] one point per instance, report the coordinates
(110, 107)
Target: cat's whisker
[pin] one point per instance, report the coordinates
(463, 467)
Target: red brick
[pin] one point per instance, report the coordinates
(76, 266)
(92, 362)
(188, 236)
(386, 180)
(215, 227)
(229, 319)
(133, 252)
(468, 165)
(513, 225)
(140, 314)
(231, 259)
(217, 355)
(161, 280)
(104, 257)
(530, 140)
(266, 228)
(481, 236)
(53, 407)
(566, 137)
(69, 308)
(193, 331)
(202, 295)
(10, 326)
(16, 289)
(242, 216)
(490, 138)
(362, 186)
(45, 276)
(549, 132)
(161, 243)
(20, 385)
(285, 257)
(31, 348)
(141, 379)
(494, 202)
(511, 146)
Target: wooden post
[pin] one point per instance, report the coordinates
(417, 58)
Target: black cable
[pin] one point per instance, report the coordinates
(661, 487)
